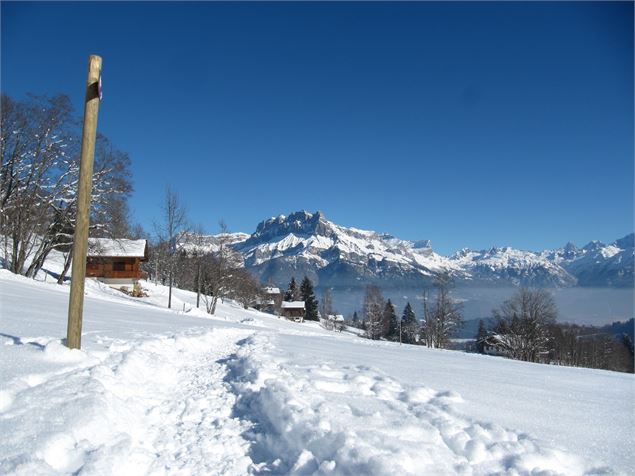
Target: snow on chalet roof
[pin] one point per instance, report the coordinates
(293, 304)
(272, 290)
(335, 317)
(106, 247)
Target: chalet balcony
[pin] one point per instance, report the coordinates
(116, 274)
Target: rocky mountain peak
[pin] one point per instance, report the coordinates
(462, 253)
(301, 223)
(305, 243)
(569, 251)
(422, 244)
(627, 242)
(494, 250)
(593, 245)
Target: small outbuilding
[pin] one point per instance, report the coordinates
(333, 322)
(270, 301)
(293, 310)
(116, 262)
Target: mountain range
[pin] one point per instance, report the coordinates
(331, 255)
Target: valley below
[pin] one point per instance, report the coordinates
(576, 305)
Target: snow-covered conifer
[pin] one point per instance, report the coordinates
(391, 323)
(310, 303)
(373, 312)
(409, 326)
(481, 336)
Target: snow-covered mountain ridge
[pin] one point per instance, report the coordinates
(332, 255)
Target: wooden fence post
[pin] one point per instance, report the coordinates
(80, 240)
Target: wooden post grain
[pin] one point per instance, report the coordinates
(80, 240)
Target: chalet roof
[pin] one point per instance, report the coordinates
(293, 304)
(335, 317)
(272, 290)
(117, 248)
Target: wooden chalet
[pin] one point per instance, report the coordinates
(334, 322)
(293, 310)
(116, 262)
(270, 301)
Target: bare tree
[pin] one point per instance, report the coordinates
(209, 266)
(523, 323)
(326, 304)
(174, 224)
(244, 287)
(35, 140)
(39, 168)
(156, 266)
(196, 239)
(109, 207)
(589, 346)
(219, 269)
(442, 317)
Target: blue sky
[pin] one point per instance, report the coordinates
(470, 124)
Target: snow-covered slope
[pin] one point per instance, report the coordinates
(209, 243)
(332, 255)
(510, 266)
(157, 391)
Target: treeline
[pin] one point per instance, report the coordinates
(40, 143)
(526, 329)
(181, 256)
(580, 346)
(442, 317)
(213, 275)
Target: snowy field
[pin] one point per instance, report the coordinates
(158, 391)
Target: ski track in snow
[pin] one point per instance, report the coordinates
(158, 407)
(230, 396)
(321, 419)
(222, 402)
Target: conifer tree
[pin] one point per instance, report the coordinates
(391, 324)
(374, 305)
(292, 293)
(355, 320)
(481, 336)
(310, 303)
(409, 325)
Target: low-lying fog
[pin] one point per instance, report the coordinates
(595, 306)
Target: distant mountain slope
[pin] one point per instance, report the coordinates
(511, 266)
(332, 255)
(305, 243)
(597, 264)
(209, 243)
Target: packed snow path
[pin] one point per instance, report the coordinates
(217, 403)
(163, 392)
(157, 407)
(325, 418)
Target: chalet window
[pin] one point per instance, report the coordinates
(119, 266)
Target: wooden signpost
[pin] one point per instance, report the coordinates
(80, 240)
